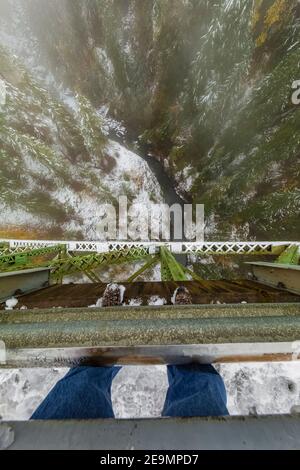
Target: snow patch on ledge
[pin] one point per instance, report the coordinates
(139, 391)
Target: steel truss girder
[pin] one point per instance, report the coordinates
(15, 260)
(289, 256)
(171, 270)
(152, 261)
(69, 262)
(88, 263)
(4, 248)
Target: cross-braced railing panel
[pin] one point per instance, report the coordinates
(206, 248)
(236, 248)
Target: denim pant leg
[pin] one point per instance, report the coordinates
(84, 393)
(195, 390)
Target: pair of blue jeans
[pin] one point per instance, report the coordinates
(85, 393)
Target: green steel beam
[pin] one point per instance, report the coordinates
(153, 331)
(91, 275)
(4, 248)
(192, 274)
(22, 260)
(196, 277)
(290, 256)
(131, 326)
(171, 270)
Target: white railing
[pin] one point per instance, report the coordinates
(152, 247)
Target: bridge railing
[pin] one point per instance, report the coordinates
(223, 247)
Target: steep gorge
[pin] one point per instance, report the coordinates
(205, 86)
